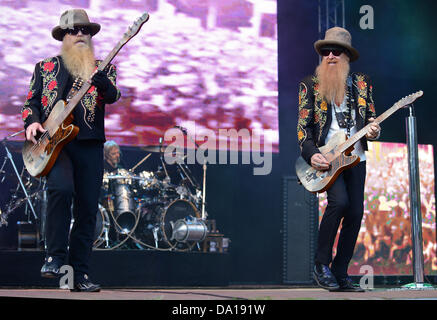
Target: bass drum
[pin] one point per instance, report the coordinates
(177, 211)
(102, 226)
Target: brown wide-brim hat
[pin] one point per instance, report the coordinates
(74, 18)
(337, 36)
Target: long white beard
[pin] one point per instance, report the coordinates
(79, 61)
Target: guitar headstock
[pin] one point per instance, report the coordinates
(405, 101)
(135, 28)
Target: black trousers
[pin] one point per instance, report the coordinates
(75, 178)
(345, 201)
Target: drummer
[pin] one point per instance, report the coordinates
(112, 155)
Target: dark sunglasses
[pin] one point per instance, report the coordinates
(335, 52)
(75, 31)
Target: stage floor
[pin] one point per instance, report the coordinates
(234, 294)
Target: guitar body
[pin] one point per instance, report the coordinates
(39, 158)
(319, 181)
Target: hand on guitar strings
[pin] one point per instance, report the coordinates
(32, 131)
(319, 162)
(374, 130)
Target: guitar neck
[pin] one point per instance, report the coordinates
(357, 136)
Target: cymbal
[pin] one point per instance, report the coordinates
(117, 176)
(162, 148)
(153, 148)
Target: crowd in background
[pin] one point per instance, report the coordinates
(385, 240)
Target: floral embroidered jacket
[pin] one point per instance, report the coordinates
(315, 113)
(52, 82)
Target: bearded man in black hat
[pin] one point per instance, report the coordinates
(76, 176)
(332, 100)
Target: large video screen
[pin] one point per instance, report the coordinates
(385, 241)
(204, 63)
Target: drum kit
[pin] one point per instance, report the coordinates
(144, 210)
(147, 210)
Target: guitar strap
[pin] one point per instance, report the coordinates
(77, 84)
(349, 102)
(344, 119)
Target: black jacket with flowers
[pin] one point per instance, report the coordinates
(315, 113)
(52, 82)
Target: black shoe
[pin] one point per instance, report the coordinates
(51, 268)
(324, 277)
(346, 285)
(84, 285)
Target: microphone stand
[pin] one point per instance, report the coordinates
(161, 155)
(204, 191)
(9, 155)
(195, 184)
(415, 203)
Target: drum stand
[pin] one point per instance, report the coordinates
(204, 191)
(161, 156)
(29, 202)
(106, 238)
(195, 184)
(155, 235)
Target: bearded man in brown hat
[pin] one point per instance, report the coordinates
(332, 100)
(76, 176)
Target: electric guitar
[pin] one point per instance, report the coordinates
(39, 158)
(338, 153)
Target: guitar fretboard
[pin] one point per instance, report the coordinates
(357, 136)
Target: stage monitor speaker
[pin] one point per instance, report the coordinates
(300, 229)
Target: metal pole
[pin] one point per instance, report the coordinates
(344, 22)
(335, 14)
(9, 155)
(320, 26)
(204, 190)
(327, 14)
(320, 20)
(414, 192)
